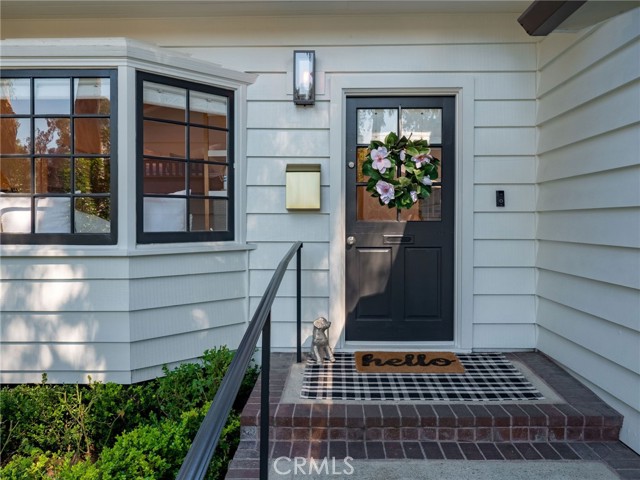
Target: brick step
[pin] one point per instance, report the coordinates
(452, 422)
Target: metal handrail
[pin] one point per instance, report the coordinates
(197, 461)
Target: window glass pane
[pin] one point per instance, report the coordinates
(52, 135)
(15, 175)
(15, 135)
(92, 135)
(15, 214)
(165, 214)
(91, 96)
(422, 124)
(376, 123)
(53, 175)
(92, 215)
(208, 215)
(208, 109)
(207, 144)
(164, 176)
(15, 96)
(164, 101)
(369, 208)
(93, 175)
(207, 179)
(428, 210)
(52, 96)
(53, 215)
(164, 139)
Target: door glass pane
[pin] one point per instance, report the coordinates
(369, 208)
(361, 153)
(15, 135)
(52, 96)
(376, 123)
(164, 101)
(15, 96)
(422, 123)
(428, 210)
(52, 135)
(91, 96)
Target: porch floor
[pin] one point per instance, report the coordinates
(572, 424)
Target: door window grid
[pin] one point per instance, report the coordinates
(375, 124)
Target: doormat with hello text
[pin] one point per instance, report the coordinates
(487, 377)
(408, 362)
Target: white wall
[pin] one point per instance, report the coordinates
(117, 318)
(588, 230)
(491, 50)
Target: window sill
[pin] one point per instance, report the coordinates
(115, 251)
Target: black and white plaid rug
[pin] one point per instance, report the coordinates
(487, 377)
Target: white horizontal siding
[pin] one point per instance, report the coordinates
(504, 309)
(79, 318)
(162, 322)
(286, 115)
(314, 256)
(505, 170)
(615, 265)
(614, 304)
(65, 327)
(504, 281)
(588, 332)
(314, 283)
(518, 198)
(272, 199)
(624, 191)
(619, 108)
(504, 225)
(505, 141)
(504, 253)
(589, 210)
(504, 337)
(607, 151)
(619, 227)
(311, 227)
(271, 171)
(438, 58)
(512, 113)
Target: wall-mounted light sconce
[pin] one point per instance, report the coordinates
(304, 65)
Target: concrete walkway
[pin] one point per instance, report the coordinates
(442, 470)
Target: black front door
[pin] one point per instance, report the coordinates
(399, 263)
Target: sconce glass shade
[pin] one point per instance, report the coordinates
(304, 89)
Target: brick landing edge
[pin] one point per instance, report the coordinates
(584, 428)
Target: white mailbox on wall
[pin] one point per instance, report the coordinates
(303, 187)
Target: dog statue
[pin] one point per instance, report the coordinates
(320, 349)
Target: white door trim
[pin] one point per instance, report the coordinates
(460, 86)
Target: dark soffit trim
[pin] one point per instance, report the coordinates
(542, 17)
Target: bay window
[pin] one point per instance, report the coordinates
(185, 161)
(58, 156)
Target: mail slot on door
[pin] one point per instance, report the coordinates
(398, 239)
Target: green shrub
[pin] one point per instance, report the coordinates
(105, 430)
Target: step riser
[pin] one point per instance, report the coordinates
(473, 434)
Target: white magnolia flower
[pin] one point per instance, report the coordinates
(379, 160)
(386, 191)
